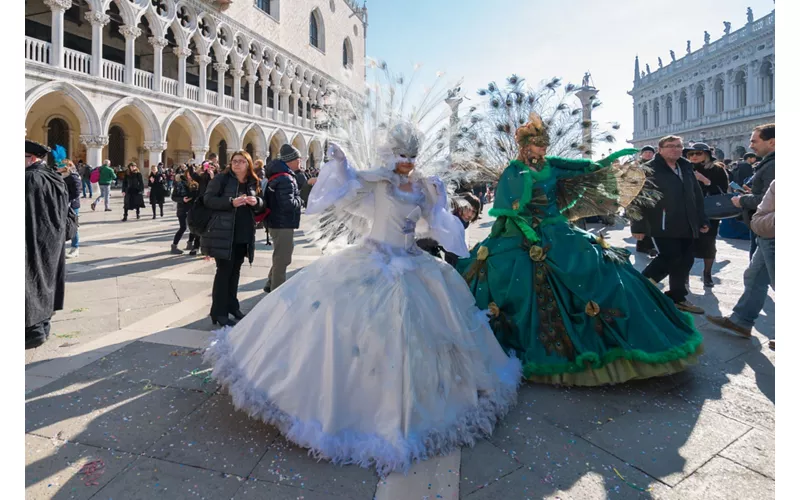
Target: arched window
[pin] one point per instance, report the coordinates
(700, 101)
(222, 156)
(767, 74)
(57, 135)
(644, 118)
(249, 149)
(316, 30)
(740, 89)
(656, 114)
(719, 96)
(270, 98)
(669, 110)
(299, 108)
(347, 54)
(116, 146)
(684, 103)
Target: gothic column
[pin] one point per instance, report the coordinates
(251, 93)
(158, 43)
(221, 69)
(130, 33)
(182, 54)
(264, 97)
(199, 153)
(730, 91)
(155, 149)
(57, 8)
(305, 118)
(203, 61)
(237, 75)
(298, 113)
(94, 148)
(710, 97)
(276, 97)
(284, 95)
(97, 20)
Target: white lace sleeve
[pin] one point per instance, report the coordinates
(442, 225)
(340, 205)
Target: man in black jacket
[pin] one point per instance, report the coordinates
(46, 205)
(763, 143)
(282, 197)
(744, 169)
(646, 244)
(675, 221)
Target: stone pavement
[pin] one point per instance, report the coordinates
(119, 404)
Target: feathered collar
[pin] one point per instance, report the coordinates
(389, 175)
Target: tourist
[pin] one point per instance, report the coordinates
(73, 180)
(184, 195)
(46, 205)
(133, 189)
(107, 176)
(762, 141)
(675, 221)
(646, 245)
(744, 169)
(713, 181)
(234, 198)
(282, 197)
(86, 178)
(157, 182)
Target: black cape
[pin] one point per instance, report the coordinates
(46, 205)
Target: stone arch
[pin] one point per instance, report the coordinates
(315, 152)
(77, 102)
(277, 139)
(300, 143)
(261, 137)
(151, 125)
(197, 130)
(228, 131)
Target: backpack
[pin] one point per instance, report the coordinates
(94, 178)
(200, 215)
(262, 216)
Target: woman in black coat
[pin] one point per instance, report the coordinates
(713, 180)
(184, 194)
(133, 187)
(234, 199)
(157, 182)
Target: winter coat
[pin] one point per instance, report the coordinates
(133, 187)
(680, 212)
(765, 174)
(46, 200)
(742, 172)
(282, 196)
(86, 172)
(107, 175)
(157, 182)
(718, 177)
(763, 222)
(74, 184)
(217, 240)
(181, 191)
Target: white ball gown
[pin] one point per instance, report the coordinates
(376, 355)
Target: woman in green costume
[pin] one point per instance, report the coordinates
(571, 307)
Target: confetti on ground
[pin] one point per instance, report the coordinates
(92, 472)
(192, 352)
(148, 386)
(204, 375)
(70, 335)
(80, 310)
(631, 484)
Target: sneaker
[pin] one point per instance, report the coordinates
(72, 253)
(707, 281)
(687, 306)
(93, 205)
(726, 323)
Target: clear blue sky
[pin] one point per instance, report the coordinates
(484, 41)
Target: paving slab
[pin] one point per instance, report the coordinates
(668, 439)
(263, 490)
(217, 437)
(109, 413)
(721, 479)
(755, 450)
(289, 465)
(53, 468)
(149, 478)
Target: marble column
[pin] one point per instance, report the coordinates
(221, 69)
(203, 61)
(130, 33)
(251, 94)
(94, 148)
(264, 97)
(276, 96)
(158, 43)
(98, 20)
(182, 53)
(298, 113)
(199, 154)
(57, 9)
(284, 95)
(753, 90)
(154, 151)
(237, 75)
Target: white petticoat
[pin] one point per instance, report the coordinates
(370, 356)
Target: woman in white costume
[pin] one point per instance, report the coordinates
(375, 355)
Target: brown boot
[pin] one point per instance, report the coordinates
(688, 307)
(727, 324)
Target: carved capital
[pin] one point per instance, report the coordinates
(221, 67)
(59, 4)
(285, 92)
(185, 52)
(130, 32)
(94, 141)
(158, 42)
(97, 18)
(237, 73)
(155, 146)
(252, 79)
(203, 59)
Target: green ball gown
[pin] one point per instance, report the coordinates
(571, 307)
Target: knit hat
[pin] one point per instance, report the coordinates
(648, 148)
(36, 149)
(288, 153)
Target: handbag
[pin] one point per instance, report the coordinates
(720, 206)
(72, 224)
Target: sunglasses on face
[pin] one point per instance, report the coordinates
(694, 153)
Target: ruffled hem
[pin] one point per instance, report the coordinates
(366, 450)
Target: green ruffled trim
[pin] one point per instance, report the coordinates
(595, 361)
(518, 221)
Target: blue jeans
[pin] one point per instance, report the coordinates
(758, 276)
(87, 182)
(76, 240)
(753, 243)
(105, 194)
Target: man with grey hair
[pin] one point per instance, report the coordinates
(107, 176)
(282, 197)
